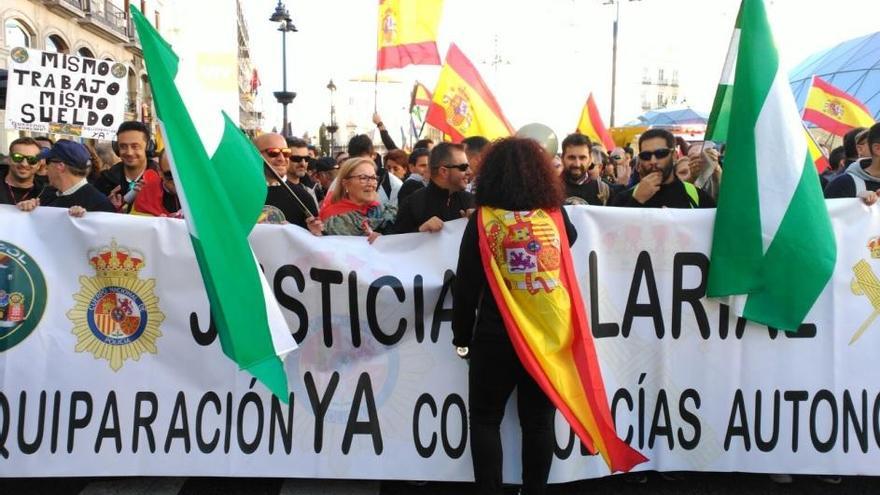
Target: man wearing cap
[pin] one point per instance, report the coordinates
(18, 181)
(326, 169)
(67, 164)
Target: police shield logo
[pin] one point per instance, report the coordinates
(22, 295)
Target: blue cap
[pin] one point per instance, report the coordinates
(70, 152)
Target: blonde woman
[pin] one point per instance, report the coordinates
(354, 208)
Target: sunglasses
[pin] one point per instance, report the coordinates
(168, 175)
(659, 153)
(274, 152)
(31, 159)
(297, 158)
(462, 167)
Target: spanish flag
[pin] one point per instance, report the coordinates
(408, 33)
(835, 110)
(819, 159)
(531, 275)
(421, 97)
(591, 125)
(462, 105)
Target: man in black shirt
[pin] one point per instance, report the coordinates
(444, 198)
(658, 186)
(580, 184)
(122, 181)
(419, 173)
(18, 181)
(281, 206)
(67, 164)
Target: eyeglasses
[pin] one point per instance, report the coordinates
(297, 158)
(660, 153)
(168, 175)
(462, 167)
(31, 159)
(616, 157)
(364, 178)
(274, 152)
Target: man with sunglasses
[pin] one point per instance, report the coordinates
(444, 198)
(581, 174)
(659, 187)
(19, 181)
(301, 208)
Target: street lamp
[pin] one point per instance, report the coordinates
(616, 3)
(332, 128)
(284, 97)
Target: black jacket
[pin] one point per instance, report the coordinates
(87, 196)
(115, 176)
(431, 201)
(672, 195)
(279, 197)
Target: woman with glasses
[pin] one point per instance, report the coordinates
(354, 207)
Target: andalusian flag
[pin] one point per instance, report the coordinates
(716, 128)
(419, 103)
(463, 106)
(835, 110)
(408, 33)
(773, 240)
(221, 192)
(819, 159)
(591, 125)
(531, 275)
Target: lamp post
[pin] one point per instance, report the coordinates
(616, 4)
(284, 97)
(332, 128)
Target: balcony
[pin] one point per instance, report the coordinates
(66, 8)
(105, 19)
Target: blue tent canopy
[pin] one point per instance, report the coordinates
(853, 66)
(670, 117)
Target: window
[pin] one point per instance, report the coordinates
(54, 43)
(85, 52)
(17, 34)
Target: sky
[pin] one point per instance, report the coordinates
(540, 58)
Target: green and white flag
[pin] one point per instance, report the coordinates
(773, 240)
(716, 128)
(221, 194)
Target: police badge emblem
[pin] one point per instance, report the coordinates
(22, 295)
(116, 316)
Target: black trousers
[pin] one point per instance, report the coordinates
(495, 371)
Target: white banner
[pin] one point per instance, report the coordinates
(113, 369)
(65, 94)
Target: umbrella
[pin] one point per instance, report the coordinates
(671, 117)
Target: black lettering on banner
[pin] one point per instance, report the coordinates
(288, 302)
(204, 338)
(47, 98)
(250, 397)
(320, 406)
(4, 425)
(326, 278)
(804, 331)
(690, 418)
(622, 394)
(599, 329)
(103, 68)
(354, 317)
(563, 453)
(680, 295)
(876, 419)
(227, 432)
(795, 397)
(207, 447)
(182, 431)
(145, 422)
(101, 103)
(442, 313)
(23, 445)
(419, 303)
(65, 81)
(766, 445)
(50, 80)
(21, 73)
(641, 415)
(827, 445)
(423, 450)
(363, 392)
(724, 323)
(277, 417)
(72, 63)
(89, 65)
(92, 118)
(75, 422)
(105, 431)
(107, 121)
(644, 271)
(27, 112)
(49, 59)
(661, 408)
(82, 86)
(738, 410)
(372, 318)
(454, 400)
(113, 88)
(56, 420)
(859, 426)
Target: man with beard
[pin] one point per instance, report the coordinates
(122, 181)
(582, 184)
(281, 206)
(658, 185)
(18, 181)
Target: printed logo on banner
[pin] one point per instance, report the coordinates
(866, 283)
(116, 316)
(22, 295)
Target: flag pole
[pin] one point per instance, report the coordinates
(376, 91)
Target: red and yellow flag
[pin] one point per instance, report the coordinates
(530, 272)
(819, 159)
(462, 105)
(834, 110)
(421, 97)
(408, 33)
(591, 125)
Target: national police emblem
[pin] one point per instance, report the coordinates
(22, 295)
(116, 316)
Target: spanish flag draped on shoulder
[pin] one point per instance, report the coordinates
(835, 110)
(591, 125)
(221, 194)
(462, 105)
(408, 33)
(773, 242)
(531, 275)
